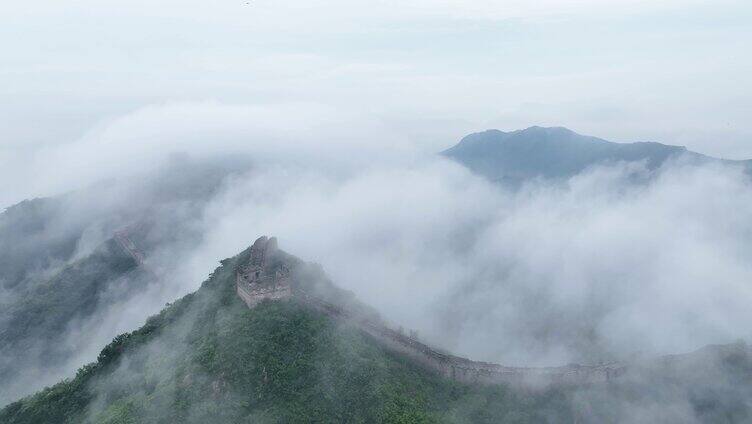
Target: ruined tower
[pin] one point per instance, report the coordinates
(263, 277)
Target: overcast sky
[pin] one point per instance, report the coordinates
(626, 70)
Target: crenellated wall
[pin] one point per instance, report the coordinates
(253, 297)
(122, 238)
(254, 281)
(463, 369)
(255, 284)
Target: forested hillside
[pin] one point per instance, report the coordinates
(64, 270)
(208, 358)
(34, 329)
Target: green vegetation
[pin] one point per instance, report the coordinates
(34, 327)
(207, 358)
(44, 311)
(32, 239)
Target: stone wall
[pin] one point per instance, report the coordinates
(255, 283)
(253, 297)
(463, 369)
(122, 238)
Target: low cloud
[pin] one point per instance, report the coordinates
(610, 268)
(142, 141)
(598, 267)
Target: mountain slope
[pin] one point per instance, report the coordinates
(67, 264)
(553, 153)
(33, 238)
(34, 330)
(208, 358)
(39, 236)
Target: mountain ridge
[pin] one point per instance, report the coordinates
(266, 277)
(209, 357)
(558, 152)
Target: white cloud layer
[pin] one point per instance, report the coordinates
(549, 275)
(603, 261)
(596, 268)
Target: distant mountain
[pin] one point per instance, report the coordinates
(33, 239)
(208, 357)
(66, 260)
(40, 236)
(554, 153)
(35, 334)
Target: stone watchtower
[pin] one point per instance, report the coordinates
(265, 276)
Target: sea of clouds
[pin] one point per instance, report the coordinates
(602, 266)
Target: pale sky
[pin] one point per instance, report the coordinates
(677, 72)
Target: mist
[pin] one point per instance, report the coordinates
(143, 144)
(617, 263)
(612, 267)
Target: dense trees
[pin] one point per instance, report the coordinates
(207, 358)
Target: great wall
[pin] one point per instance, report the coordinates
(260, 279)
(123, 239)
(265, 277)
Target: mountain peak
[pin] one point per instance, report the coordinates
(551, 152)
